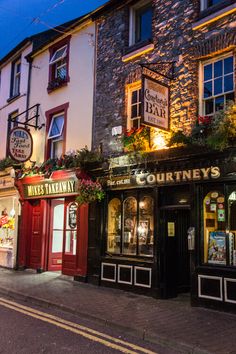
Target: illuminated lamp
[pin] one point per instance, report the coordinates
(159, 142)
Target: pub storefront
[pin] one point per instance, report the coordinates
(169, 228)
(53, 233)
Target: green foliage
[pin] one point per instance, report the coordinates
(136, 139)
(178, 138)
(7, 162)
(89, 191)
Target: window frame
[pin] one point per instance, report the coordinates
(133, 22)
(201, 82)
(136, 86)
(10, 125)
(15, 75)
(50, 115)
(54, 81)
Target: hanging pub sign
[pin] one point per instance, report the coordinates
(155, 98)
(20, 144)
(73, 207)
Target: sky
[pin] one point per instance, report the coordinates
(22, 18)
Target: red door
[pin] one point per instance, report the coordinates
(70, 237)
(35, 260)
(56, 234)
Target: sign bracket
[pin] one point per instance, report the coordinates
(31, 114)
(151, 66)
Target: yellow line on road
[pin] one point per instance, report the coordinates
(76, 328)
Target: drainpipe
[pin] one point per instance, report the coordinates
(30, 61)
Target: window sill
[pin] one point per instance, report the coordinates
(209, 16)
(136, 51)
(13, 98)
(54, 85)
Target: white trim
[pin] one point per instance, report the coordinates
(225, 290)
(130, 89)
(132, 19)
(200, 295)
(150, 277)
(51, 124)
(138, 52)
(131, 274)
(110, 265)
(63, 55)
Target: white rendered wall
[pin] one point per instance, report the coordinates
(19, 103)
(78, 92)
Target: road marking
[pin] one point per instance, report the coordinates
(76, 328)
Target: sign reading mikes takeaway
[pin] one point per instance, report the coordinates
(50, 188)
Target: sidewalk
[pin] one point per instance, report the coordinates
(170, 322)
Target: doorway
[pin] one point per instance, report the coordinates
(176, 262)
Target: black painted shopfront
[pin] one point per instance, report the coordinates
(169, 227)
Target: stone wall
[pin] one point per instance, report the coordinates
(174, 40)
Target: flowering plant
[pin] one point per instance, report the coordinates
(89, 191)
(136, 139)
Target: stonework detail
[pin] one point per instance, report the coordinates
(174, 41)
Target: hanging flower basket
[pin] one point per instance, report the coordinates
(136, 139)
(89, 192)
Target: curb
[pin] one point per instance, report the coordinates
(147, 336)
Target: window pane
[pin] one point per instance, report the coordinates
(129, 242)
(219, 103)
(228, 65)
(134, 97)
(135, 123)
(228, 83)
(59, 54)
(214, 227)
(143, 26)
(134, 111)
(218, 68)
(232, 228)
(218, 86)
(146, 226)
(56, 127)
(207, 89)
(209, 106)
(114, 226)
(56, 148)
(230, 97)
(208, 72)
(70, 242)
(214, 2)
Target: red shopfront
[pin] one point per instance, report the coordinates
(54, 229)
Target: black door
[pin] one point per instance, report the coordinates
(176, 263)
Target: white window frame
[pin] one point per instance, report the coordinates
(203, 5)
(201, 79)
(132, 19)
(51, 125)
(63, 55)
(16, 78)
(131, 88)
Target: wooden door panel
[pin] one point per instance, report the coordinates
(36, 236)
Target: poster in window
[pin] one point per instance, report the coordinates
(73, 215)
(217, 247)
(143, 230)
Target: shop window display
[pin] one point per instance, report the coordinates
(131, 226)
(7, 223)
(219, 235)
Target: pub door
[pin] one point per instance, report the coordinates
(176, 262)
(70, 237)
(56, 231)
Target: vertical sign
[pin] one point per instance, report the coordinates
(155, 104)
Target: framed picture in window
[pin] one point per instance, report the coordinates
(217, 247)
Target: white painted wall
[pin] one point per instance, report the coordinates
(78, 92)
(19, 103)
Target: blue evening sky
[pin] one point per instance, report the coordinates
(22, 18)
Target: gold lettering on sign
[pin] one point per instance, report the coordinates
(51, 188)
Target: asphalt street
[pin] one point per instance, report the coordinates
(30, 330)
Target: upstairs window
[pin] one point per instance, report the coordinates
(218, 84)
(134, 106)
(59, 65)
(56, 136)
(15, 78)
(140, 23)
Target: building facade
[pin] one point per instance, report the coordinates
(167, 223)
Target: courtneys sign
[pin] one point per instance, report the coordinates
(161, 178)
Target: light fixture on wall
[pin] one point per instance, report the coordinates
(159, 141)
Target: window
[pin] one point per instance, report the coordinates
(56, 119)
(218, 84)
(220, 228)
(131, 225)
(15, 78)
(59, 64)
(140, 22)
(12, 123)
(134, 106)
(55, 135)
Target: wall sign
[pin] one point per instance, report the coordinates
(155, 103)
(20, 144)
(162, 178)
(50, 188)
(73, 207)
(171, 229)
